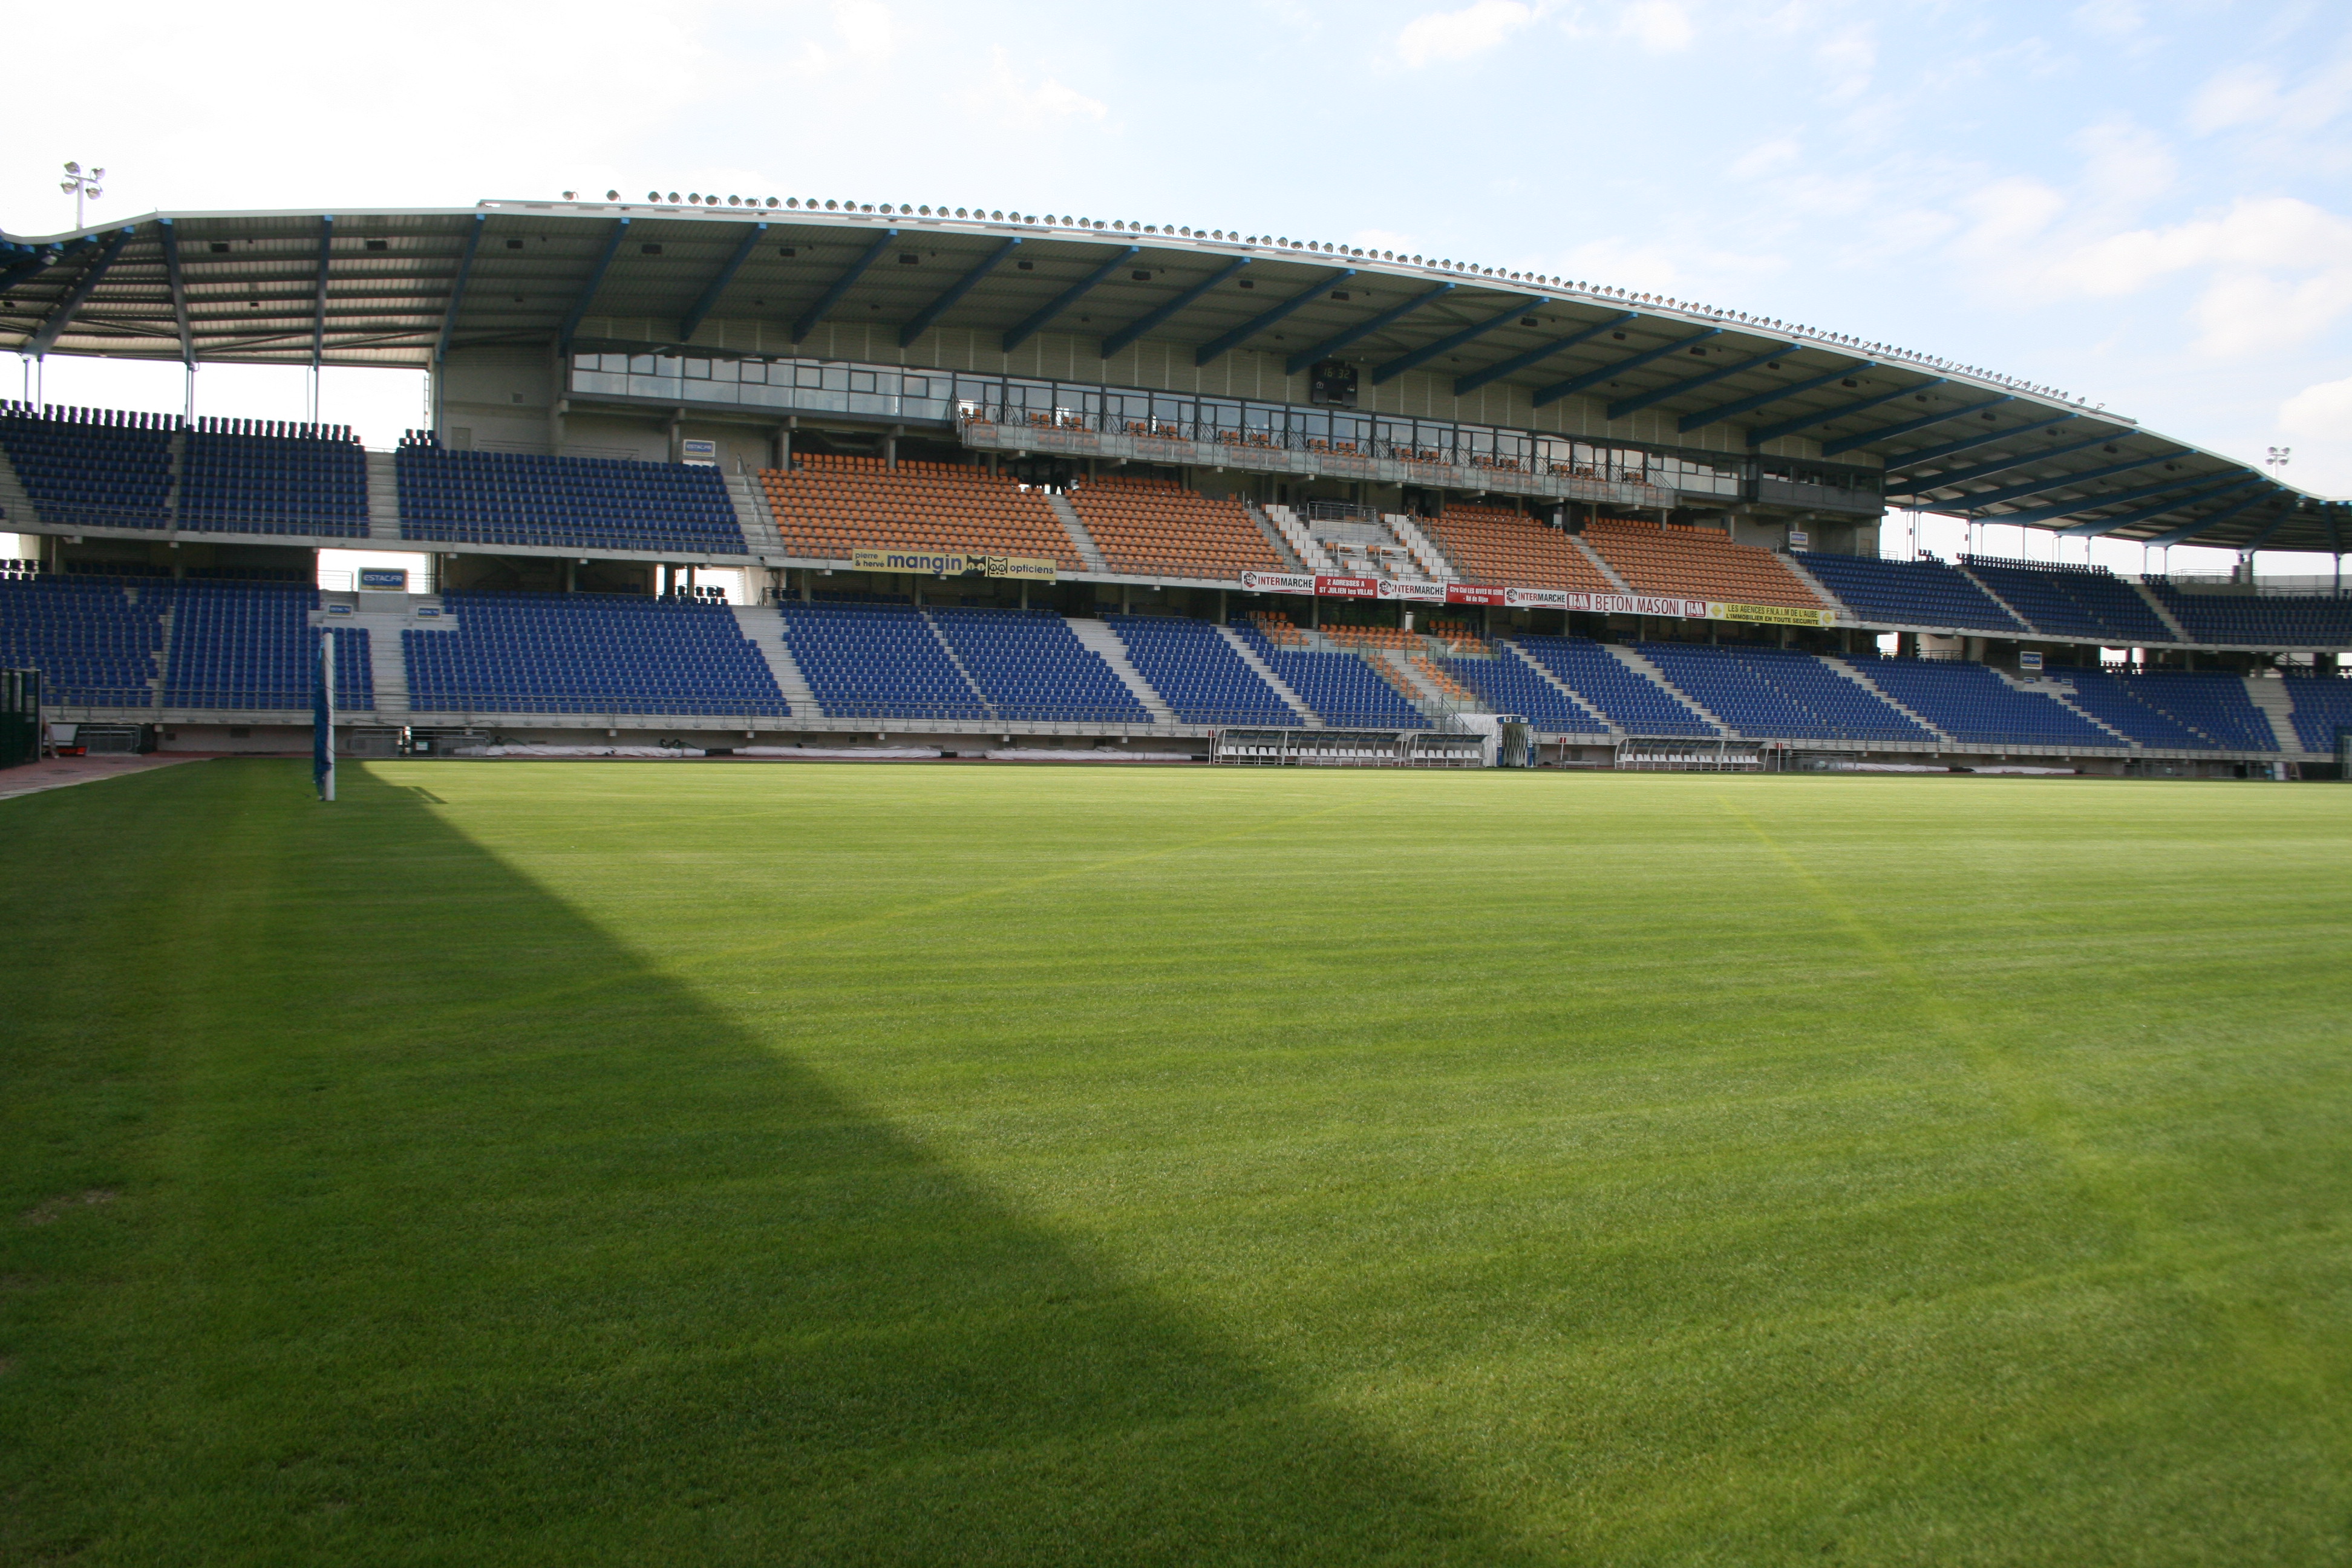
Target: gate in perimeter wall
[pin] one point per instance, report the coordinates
(20, 716)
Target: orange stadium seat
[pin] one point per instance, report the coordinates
(827, 506)
(1696, 563)
(1498, 545)
(1158, 528)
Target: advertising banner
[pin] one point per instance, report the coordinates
(1771, 615)
(1465, 593)
(928, 561)
(1277, 582)
(1637, 605)
(392, 579)
(1419, 593)
(1538, 599)
(1034, 568)
(1330, 587)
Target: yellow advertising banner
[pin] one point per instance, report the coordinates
(1035, 568)
(953, 563)
(932, 562)
(1771, 615)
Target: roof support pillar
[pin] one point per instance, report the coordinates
(59, 319)
(816, 313)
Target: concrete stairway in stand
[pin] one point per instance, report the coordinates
(1602, 566)
(752, 512)
(1291, 561)
(1986, 589)
(1863, 681)
(2064, 698)
(382, 499)
(1098, 636)
(2156, 606)
(1080, 540)
(2269, 694)
(1264, 672)
(16, 506)
(764, 629)
(1513, 650)
(1657, 676)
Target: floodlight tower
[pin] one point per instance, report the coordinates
(83, 187)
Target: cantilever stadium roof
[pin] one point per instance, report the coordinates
(399, 287)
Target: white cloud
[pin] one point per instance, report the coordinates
(1765, 157)
(1012, 99)
(2238, 96)
(2320, 419)
(2109, 18)
(865, 33)
(1661, 26)
(1458, 35)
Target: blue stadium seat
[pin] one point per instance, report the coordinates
(2259, 620)
(1511, 685)
(2069, 600)
(235, 479)
(572, 504)
(1030, 666)
(1343, 690)
(251, 646)
(98, 468)
(1778, 694)
(1634, 704)
(1925, 593)
(588, 653)
(1977, 708)
(1198, 674)
(877, 661)
(97, 641)
(2322, 705)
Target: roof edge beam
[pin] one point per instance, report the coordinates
(1363, 329)
(955, 291)
(1987, 470)
(1904, 427)
(1466, 384)
(1625, 406)
(59, 319)
(1136, 329)
(1594, 377)
(1722, 411)
(318, 301)
(1984, 438)
(2084, 477)
(1406, 362)
(1790, 426)
(816, 313)
(587, 295)
(179, 286)
(708, 302)
(1069, 297)
(41, 260)
(2215, 519)
(2112, 497)
(457, 288)
(1217, 347)
(2173, 503)
(2285, 516)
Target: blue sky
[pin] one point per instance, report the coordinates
(2144, 205)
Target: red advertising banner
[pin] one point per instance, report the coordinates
(1330, 587)
(1277, 583)
(1465, 593)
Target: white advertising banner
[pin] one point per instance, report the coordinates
(1278, 582)
(1419, 593)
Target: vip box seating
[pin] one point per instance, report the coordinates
(1976, 707)
(2261, 621)
(2194, 709)
(572, 503)
(1497, 545)
(1910, 593)
(1158, 528)
(587, 653)
(877, 661)
(97, 467)
(1634, 703)
(2072, 601)
(2322, 705)
(1695, 563)
(97, 641)
(1031, 666)
(826, 506)
(247, 646)
(1198, 674)
(251, 475)
(1510, 685)
(1769, 693)
(1342, 688)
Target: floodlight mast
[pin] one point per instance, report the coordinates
(83, 187)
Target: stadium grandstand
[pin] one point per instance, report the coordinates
(1017, 478)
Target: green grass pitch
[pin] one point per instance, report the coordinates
(601, 1164)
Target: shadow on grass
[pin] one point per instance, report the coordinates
(399, 1279)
